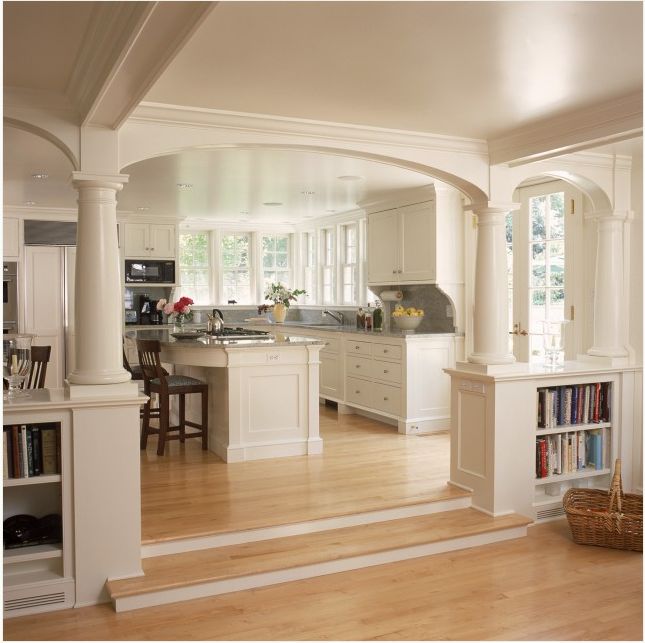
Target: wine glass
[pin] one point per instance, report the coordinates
(16, 360)
(553, 336)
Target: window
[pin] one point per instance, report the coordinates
(310, 267)
(349, 263)
(236, 274)
(195, 267)
(275, 260)
(328, 266)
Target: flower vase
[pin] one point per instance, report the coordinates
(279, 313)
(180, 324)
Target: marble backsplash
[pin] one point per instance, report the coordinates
(437, 306)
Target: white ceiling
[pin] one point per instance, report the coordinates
(478, 69)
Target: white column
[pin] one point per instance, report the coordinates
(490, 321)
(609, 332)
(98, 315)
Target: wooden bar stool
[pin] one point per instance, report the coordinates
(156, 380)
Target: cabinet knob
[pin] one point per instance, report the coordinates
(357, 347)
(385, 350)
(394, 272)
(385, 399)
(386, 371)
(357, 366)
(357, 392)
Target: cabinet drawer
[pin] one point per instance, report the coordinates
(386, 351)
(358, 366)
(332, 345)
(358, 391)
(387, 371)
(386, 398)
(358, 348)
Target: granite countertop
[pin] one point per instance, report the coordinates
(163, 334)
(275, 328)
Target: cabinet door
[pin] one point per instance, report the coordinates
(136, 240)
(10, 238)
(331, 380)
(417, 242)
(44, 311)
(382, 247)
(162, 241)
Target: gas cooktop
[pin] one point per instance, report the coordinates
(240, 333)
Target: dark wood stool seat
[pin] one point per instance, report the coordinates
(156, 380)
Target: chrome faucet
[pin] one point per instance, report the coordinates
(337, 316)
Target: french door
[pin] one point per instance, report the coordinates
(541, 241)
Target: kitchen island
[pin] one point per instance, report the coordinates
(262, 392)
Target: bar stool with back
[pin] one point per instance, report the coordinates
(156, 380)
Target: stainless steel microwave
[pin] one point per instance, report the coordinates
(149, 271)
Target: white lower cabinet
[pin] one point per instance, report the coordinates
(398, 378)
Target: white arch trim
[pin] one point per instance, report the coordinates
(44, 134)
(470, 190)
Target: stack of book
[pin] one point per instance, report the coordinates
(565, 453)
(577, 404)
(30, 450)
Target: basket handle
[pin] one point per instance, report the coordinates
(616, 490)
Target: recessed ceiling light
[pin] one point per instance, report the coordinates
(185, 186)
(244, 212)
(308, 192)
(40, 175)
(349, 177)
(143, 208)
(272, 204)
(30, 203)
(330, 211)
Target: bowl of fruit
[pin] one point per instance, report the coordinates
(407, 318)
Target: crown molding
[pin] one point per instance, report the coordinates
(39, 212)
(165, 114)
(608, 122)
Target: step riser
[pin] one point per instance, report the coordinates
(203, 590)
(297, 529)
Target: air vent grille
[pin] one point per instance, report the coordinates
(553, 512)
(33, 601)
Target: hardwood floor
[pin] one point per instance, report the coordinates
(542, 587)
(365, 466)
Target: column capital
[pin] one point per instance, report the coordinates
(491, 207)
(110, 181)
(611, 215)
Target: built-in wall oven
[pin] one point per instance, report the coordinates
(9, 297)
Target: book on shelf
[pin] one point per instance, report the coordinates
(572, 452)
(573, 404)
(31, 450)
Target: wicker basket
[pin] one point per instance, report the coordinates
(606, 518)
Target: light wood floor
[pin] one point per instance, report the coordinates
(366, 466)
(542, 587)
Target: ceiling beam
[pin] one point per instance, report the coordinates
(127, 47)
(609, 122)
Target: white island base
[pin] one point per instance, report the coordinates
(262, 397)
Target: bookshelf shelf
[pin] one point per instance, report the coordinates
(572, 476)
(570, 428)
(20, 482)
(35, 552)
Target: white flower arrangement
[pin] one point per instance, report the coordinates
(280, 294)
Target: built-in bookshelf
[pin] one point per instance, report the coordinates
(573, 441)
(37, 558)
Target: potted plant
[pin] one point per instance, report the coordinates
(281, 296)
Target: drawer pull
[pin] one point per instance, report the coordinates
(357, 392)
(356, 347)
(385, 351)
(385, 370)
(385, 399)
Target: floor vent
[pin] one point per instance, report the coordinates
(553, 512)
(34, 601)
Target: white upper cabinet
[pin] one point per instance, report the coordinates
(150, 240)
(10, 238)
(416, 242)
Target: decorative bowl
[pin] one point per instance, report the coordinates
(407, 322)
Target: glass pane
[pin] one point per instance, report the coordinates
(538, 277)
(228, 259)
(282, 277)
(556, 204)
(509, 227)
(268, 261)
(282, 244)
(557, 302)
(268, 244)
(537, 208)
(538, 267)
(281, 260)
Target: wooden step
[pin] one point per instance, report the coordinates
(196, 574)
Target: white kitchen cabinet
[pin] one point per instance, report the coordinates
(150, 240)
(10, 238)
(418, 241)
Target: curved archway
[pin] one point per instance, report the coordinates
(472, 192)
(44, 134)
